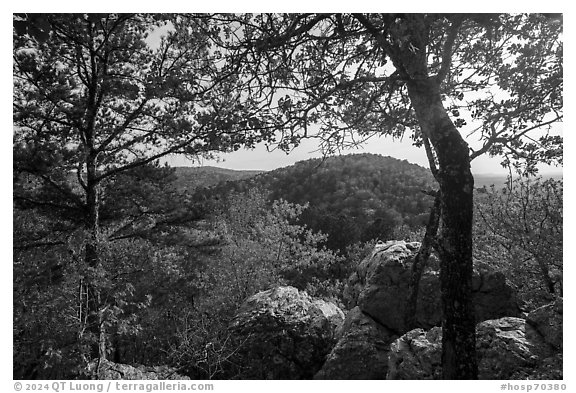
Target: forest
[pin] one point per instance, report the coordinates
(123, 263)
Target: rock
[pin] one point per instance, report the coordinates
(380, 283)
(361, 352)
(416, 355)
(111, 370)
(549, 368)
(547, 321)
(369, 269)
(503, 349)
(285, 333)
(508, 348)
(493, 296)
(379, 286)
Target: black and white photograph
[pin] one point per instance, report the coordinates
(268, 196)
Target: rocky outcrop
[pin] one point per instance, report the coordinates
(380, 283)
(508, 348)
(361, 352)
(376, 293)
(285, 334)
(380, 286)
(109, 370)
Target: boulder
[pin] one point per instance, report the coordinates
(285, 333)
(508, 348)
(416, 355)
(361, 352)
(106, 370)
(380, 285)
(373, 270)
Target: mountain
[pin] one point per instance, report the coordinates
(351, 198)
(191, 178)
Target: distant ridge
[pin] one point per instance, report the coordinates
(487, 180)
(191, 178)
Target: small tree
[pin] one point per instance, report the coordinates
(523, 223)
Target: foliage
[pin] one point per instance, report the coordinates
(142, 252)
(101, 76)
(519, 229)
(260, 248)
(46, 313)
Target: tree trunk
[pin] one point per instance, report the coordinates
(455, 242)
(420, 262)
(545, 274)
(94, 316)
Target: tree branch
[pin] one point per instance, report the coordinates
(447, 50)
(431, 157)
(384, 44)
(292, 31)
(122, 127)
(147, 160)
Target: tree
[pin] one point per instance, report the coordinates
(94, 97)
(149, 240)
(498, 77)
(523, 221)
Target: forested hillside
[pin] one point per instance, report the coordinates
(351, 198)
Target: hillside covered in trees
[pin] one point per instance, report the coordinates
(351, 198)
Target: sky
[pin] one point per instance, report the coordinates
(261, 159)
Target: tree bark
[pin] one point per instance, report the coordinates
(94, 316)
(455, 241)
(420, 262)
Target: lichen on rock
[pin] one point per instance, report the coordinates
(286, 334)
